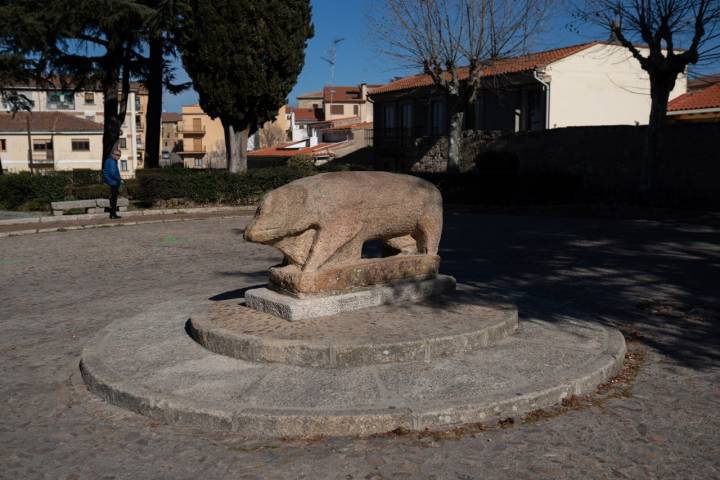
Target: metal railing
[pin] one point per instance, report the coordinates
(191, 129)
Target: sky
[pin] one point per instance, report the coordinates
(357, 58)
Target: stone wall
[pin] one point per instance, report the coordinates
(608, 159)
(429, 154)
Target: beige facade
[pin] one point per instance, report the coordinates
(601, 85)
(311, 100)
(203, 139)
(88, 105)
(52, 150)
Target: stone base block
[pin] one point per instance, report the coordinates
(292, 308)
(357, 276)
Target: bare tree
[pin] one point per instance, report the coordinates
(454, 41)
(665, 36)
(271, 135)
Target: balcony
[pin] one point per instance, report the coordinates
(191, 129)
(41, 158)
(194, 150)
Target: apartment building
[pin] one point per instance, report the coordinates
(88, 105)
(50, 141)
(203, 139)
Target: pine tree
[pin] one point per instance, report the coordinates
(244, 57)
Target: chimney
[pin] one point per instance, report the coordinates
(363, 91)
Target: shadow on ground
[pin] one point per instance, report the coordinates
(657, 281)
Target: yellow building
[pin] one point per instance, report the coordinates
(88, 105)
(57, 141)
(203, 139)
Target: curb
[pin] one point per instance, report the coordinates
(44, 224)
(131, 213)
(169, 405)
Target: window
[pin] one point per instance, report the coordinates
(61, 101)
(406, 118)
(3, 144)
(80, 145)
(389, 116)
(337, 109)
(42, 145)
(356, 110)
(89, 98)
(438, 118)
(198, 163)
(123, 143)
(123, 165)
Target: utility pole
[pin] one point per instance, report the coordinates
(331, 58)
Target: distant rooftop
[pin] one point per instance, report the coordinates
(46, 122)
(707, 98)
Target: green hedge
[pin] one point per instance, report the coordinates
(27, 191)
(210, 186)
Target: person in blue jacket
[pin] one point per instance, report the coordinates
(111, 176)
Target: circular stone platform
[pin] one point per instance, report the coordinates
(149, 364)
(434, 328)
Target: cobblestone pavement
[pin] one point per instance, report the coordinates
(659, 281)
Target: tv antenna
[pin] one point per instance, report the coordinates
(331, 58)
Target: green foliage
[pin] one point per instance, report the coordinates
(303, 161)
(89, 192)
(244, 56)
(20, 188)
(213, 186)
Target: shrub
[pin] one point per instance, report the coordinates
(302, 161)
(17, 189)
(86, 192)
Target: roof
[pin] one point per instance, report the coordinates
(698, 100)
(69, 83)
(353, 126)
(318, 94)
(701, 82)
(307, 114)
(502, 66)
(47, 122)
(333, 94)
(281, 151)
(171, 117)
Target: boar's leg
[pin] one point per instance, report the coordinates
(405, 245)
(427, 234)
(329, 241)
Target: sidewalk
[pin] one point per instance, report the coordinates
(29, 225)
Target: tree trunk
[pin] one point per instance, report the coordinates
(29, 139)
(456, 115)
(153, 116)
(235, 148)
(660, 88)
(115, 94)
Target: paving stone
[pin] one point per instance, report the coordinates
(62, 288)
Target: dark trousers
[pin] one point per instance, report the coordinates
(113, 199)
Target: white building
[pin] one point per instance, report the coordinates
(88, 105)
(594, 83)
(47, 141)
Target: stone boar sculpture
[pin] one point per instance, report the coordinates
(324, 220)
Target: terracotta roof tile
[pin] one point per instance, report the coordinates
(698, 100)
(283, 152)
(499, 67)
(307, 114)
(337, 93)
(317, 94)
(47, 122)
(171, 117)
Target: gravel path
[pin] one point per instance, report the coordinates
(658, 281)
